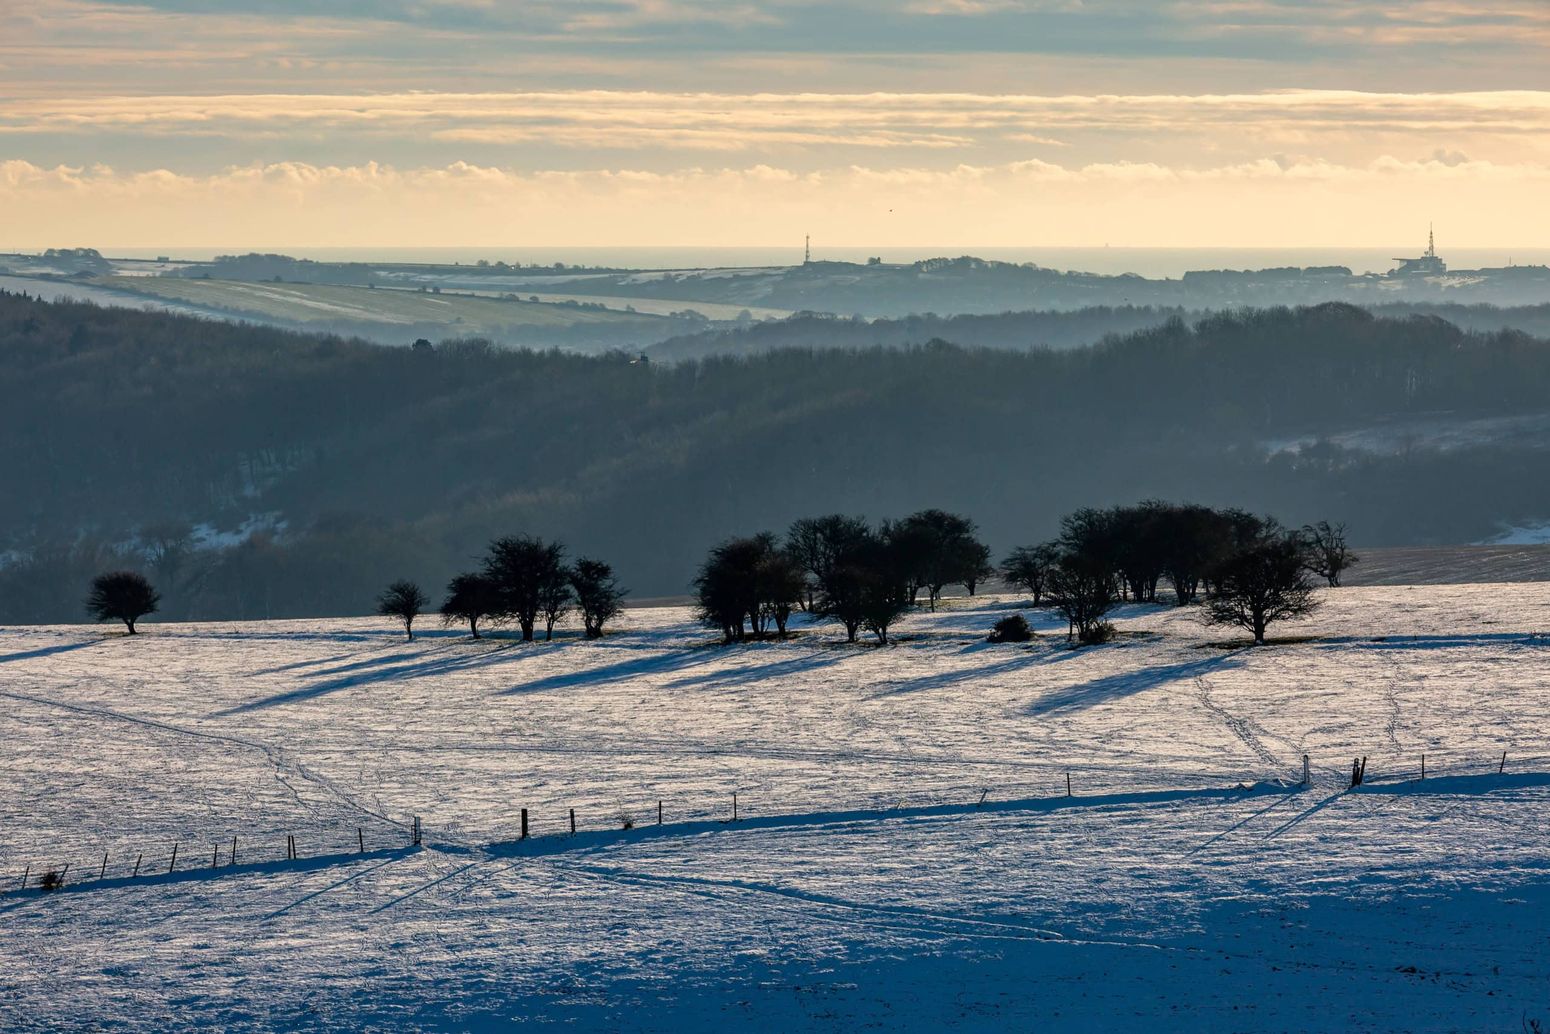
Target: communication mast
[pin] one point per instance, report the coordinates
(807, 251)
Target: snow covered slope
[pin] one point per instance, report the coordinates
(906, 856)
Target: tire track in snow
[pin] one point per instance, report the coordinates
(276, 756)
(1244, 729)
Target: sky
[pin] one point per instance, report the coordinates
(1002, 123)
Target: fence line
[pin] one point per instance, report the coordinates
(560, 821)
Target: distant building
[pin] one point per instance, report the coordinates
(1427, 265)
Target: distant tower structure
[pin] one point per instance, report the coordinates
(1427, 265)
(807, 251)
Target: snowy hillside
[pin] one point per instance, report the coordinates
(906, 856)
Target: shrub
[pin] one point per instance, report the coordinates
(51, 880)
(1012, 629)
(1098, 632)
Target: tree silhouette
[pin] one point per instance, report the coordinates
(598, 596)
(528, 574)
(1263, 582)
(471, 598)
(1028, 567)
(402, 600)
(122, 596)
(1328, 556)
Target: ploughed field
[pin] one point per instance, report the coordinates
(905, 854)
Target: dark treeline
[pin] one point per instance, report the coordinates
(1247, 570)
(1013, 330)
(840, 568)
(1025, 331)
(133, 436)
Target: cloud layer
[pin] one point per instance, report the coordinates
(731, 121)
(1290, 203)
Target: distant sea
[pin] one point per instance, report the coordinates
(1148, 262)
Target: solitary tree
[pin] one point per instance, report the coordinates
(1028, 567)
(1262, 582)
(1326, 553)
(122, 596)
(471, 598)
(404, 601)
(597, 595)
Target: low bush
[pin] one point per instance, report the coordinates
(1012, 629)
(1100, 632)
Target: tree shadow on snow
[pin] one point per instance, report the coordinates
(48, 651)
(759, 672)
(383, 669)
(1112, 687)
(621, 671)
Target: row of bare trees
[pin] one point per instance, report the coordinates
(1242, 568)
(524, 581)
(841, 568)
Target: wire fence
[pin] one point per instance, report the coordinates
(315, 846)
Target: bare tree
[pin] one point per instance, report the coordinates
(528, 574)
(122, 596)
(748, 584)
(1028, 568)
(1327, 554)
(168, 547)
(597, 595)
(471, 598)
(976, 565)
(1263, 582)
(402, 600)
(1084, 590)
(935, 549)
(817, 543)
(554, 598)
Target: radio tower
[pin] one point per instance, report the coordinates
(807, 251)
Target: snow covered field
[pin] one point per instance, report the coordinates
(1189, 884)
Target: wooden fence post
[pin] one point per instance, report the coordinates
(102, 874)
(138, 857)
(215, 859)
(1423, 766)
(415, 834)
(360, 839)
(659, 813)
(1503, 766)
(174, 862)
(1068, 784)
(25, 873)
(62, 873)
(1305, 774)
(524, 824)
(233, 850)
(734, 807)
(573, 822)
